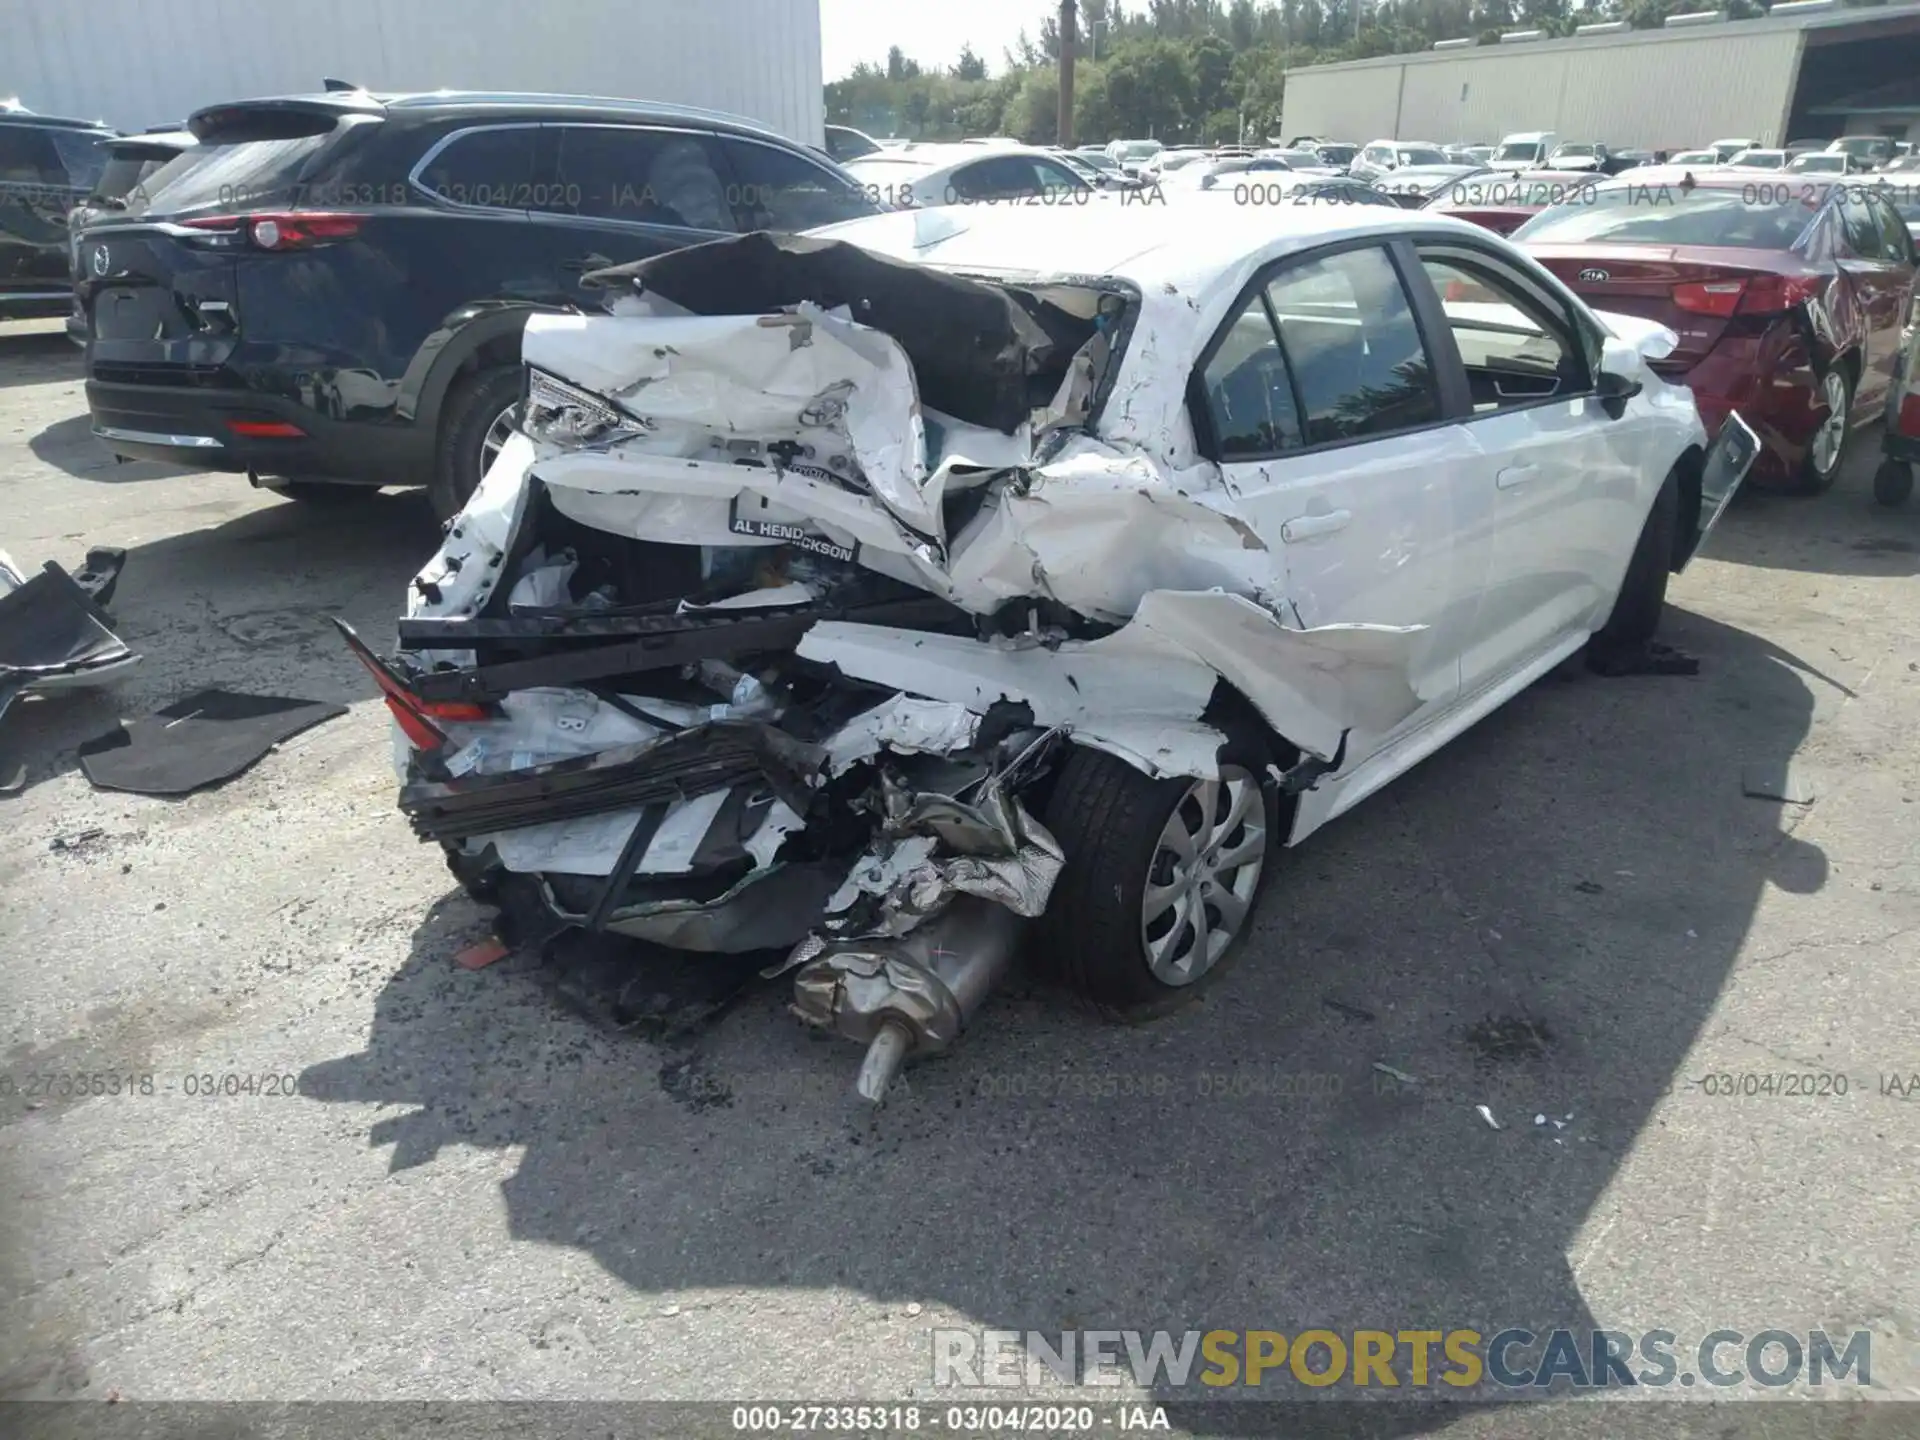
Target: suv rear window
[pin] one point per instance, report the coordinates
(245, 175)
(1677, 215)
(51, 157)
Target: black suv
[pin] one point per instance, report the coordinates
(331, 288)
(47, 166)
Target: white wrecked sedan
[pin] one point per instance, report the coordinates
(863, 595)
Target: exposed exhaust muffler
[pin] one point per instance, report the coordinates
(911, 995)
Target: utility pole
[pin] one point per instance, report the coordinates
(1069, 40)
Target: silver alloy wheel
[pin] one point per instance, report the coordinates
(1203, 876)
(498, 433)
(1832, 434)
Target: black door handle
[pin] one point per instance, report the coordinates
(586, 263)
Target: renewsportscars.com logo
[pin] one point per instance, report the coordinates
(1512, 1359)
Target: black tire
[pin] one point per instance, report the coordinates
(1643, 593)
(1893, 482)
(472, 406)
(1810, 479)
(319, 492)
(1108, 818)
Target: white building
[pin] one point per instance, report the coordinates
(140, 63)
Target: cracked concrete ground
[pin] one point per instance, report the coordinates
(442, 1184)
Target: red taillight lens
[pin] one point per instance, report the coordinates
(266, 430)
(1714, 297)
(283, 230)
(414, 715)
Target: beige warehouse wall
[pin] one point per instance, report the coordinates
(1656, 94)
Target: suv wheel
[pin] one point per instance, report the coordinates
(480, 414)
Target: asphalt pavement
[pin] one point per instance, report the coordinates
(425, 1182)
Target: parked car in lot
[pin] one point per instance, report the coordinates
(47, 166)
(1694, 158)
(1332, 152)
(132, 160)
(1503, 202)
(331, 288)
(1759, 160)
(1824, 162)
(1867, 152)
(1414, 185)
(845, 143)
(1380, 157)
(932, 175)
(1788, 299)
(1580, 156)
(1725, 150)
(1073, 591)
(1527, 150)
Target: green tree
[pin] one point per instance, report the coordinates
(969, 66)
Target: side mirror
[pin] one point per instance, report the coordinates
(1615, 390)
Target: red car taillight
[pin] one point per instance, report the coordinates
(284, 230)
(1750, 295)
(266, 430)
(1714, 297)
(414, 716)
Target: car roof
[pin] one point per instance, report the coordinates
(460, 104)
(54, 122)
(1150, 244)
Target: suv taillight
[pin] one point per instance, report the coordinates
(283, 230)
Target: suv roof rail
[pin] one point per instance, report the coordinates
(533, 98)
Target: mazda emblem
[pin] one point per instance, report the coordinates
(102, 262)
(1595, 276)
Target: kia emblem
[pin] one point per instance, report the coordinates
(1595, 276)
(102, 262)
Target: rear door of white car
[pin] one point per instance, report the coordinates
(1566, 480)
(1339, 436)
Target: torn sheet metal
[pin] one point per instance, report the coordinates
(1097, 530)
(592, 844)
(904, 725)
(916, 869)
(1139, 692)
(970, 344)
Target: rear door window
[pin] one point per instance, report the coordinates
(640, 176)
(1354, 349)
(1251, 408)
(774, 189)
(27, 160)
(1861, 229)
(490, 168)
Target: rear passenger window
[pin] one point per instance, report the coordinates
(779, 190)
(1515, 351)
(27, 157)
(491, 168)
(644, 177)
(1251, 408)
(1354, 350)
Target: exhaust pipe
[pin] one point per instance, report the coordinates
(911, 995)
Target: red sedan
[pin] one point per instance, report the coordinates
(1503, 203)
(1788, 297)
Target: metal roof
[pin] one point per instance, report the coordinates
(1895, 19)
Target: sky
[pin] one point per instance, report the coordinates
(930, 31)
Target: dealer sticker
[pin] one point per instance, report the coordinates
(797, 536)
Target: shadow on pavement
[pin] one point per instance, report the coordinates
(1538, 920)
(69, 445)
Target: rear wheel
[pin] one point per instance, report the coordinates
(1160, 881)
(1828, 447)
(1893, 482)
(480, 416)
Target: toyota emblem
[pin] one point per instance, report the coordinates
(1595, 276)
(101, 262)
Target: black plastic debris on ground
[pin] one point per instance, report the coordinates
(52, 629)
(1650, 658)
(202, 740)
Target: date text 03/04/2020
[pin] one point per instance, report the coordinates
(967, 1419)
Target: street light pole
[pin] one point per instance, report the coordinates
(1069, 38)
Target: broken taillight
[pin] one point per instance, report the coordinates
(414, 716)
(283, 230)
